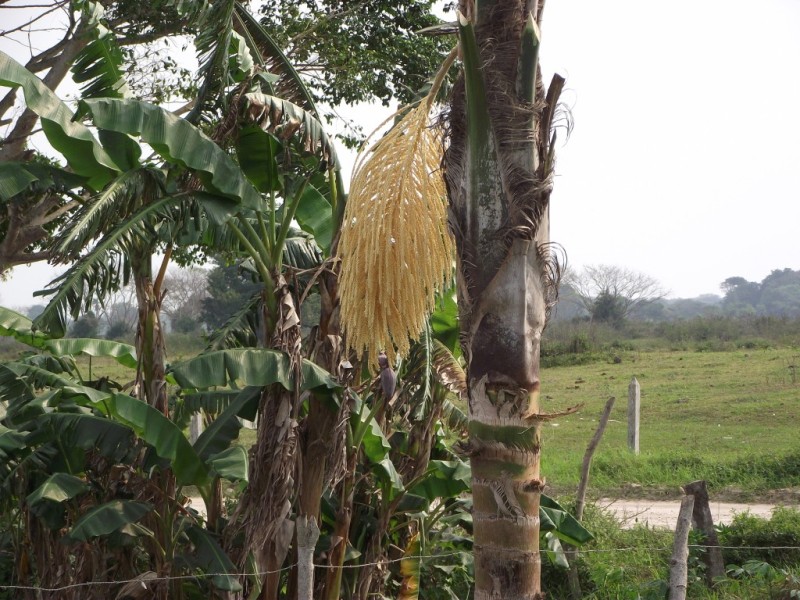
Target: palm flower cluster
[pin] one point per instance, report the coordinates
(395, 249)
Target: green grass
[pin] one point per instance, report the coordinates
(634, 563)
(727, 417)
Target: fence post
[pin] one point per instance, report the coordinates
(678, 564)
(704, 521)
(634, 402)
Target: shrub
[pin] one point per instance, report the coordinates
(774, 541)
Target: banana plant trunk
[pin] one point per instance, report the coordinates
(498, 167)
(151, 381)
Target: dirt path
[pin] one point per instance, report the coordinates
(655, 513)
(664, 513)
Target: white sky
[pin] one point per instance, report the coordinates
(684, 160)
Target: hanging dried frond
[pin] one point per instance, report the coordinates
(395, 248)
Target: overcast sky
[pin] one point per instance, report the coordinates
(684, 161)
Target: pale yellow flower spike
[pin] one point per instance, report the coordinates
(395, 248)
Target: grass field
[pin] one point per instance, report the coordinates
(728, 417)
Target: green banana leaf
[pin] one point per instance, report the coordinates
(107, 518)
(71, 138)
(211, 558)
(175, 140)
(163, 435)
(84, 431)
(231, 464)
(256, 150)
(248, 367)
(444, 479)
(100, 65)
(374, 443)
(386, 472)
(46, 500)
(553, 517)
(124, 354)
(225, 428)
(20, 327)
(13, 179)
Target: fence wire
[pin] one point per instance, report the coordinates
(359, 566)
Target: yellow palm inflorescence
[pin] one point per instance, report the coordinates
(395, 248)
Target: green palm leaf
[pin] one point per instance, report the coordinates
(100, 64)
(129, 192)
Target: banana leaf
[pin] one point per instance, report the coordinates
(175, 140)
(107, 518)
(71, 138)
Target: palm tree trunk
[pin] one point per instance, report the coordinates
(498, 172)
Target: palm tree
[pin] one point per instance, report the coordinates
(499, 176)
(497, 166)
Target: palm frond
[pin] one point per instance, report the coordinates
(124, 196)
(99, 66)
(104, 269)
(390, 271)
(271, 58)
(213, 43)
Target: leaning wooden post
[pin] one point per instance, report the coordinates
(715, 566)
(580, 502)
(678, 564)
(634, 402)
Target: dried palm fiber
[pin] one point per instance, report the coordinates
(395, 247)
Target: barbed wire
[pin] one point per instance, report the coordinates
(143, 579)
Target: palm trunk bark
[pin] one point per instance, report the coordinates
(498, 173)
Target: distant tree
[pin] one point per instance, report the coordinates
(118, 315)
(741, 296)
(86, 326)
(569, 305)
(228, 290)
(185, 292)
(34, 311)
(780, 293)
(609, 293)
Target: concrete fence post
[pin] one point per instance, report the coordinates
(634, 404)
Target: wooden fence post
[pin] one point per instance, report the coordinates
(678, 564)
(634, 402)
(715, 566)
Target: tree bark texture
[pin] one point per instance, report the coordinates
(498, 168)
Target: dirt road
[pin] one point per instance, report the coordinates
(661, 513)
